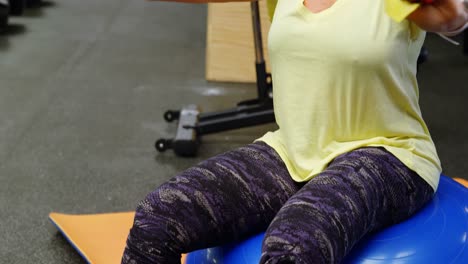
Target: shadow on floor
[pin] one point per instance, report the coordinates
(10, 31)
(37, 10)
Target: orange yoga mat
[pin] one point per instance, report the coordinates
(99, 238)
(462, 181)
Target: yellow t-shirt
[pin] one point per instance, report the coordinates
(396, 9)
(345, 78)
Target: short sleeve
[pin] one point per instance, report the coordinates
(399, 10)
(271, 4)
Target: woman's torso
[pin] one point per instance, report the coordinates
(345, 78)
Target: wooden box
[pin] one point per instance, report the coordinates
(230, 53)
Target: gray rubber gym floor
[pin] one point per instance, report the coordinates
(83, 86)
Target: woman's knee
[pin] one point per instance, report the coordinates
(159, 233)
(166, 204)
(285, 259)
(295, 236)
(283, 250)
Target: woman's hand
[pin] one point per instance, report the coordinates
(440, 16)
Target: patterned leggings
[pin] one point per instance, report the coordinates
(239, 193)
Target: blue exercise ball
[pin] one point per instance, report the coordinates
(437, 234)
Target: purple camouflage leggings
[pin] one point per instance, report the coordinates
(241, 192)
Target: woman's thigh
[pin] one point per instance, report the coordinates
(360, 192)
(219, 200)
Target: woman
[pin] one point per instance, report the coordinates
(352, 154)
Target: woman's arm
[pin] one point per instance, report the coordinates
(440, 16)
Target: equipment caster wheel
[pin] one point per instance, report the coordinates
(163, 144)
(33, 3)
(17, 7)
(171, 115)
(4, 11)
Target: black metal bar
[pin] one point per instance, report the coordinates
(262, 87)
(257, 32)
(465, 42)
(235, 122)
(236, 110)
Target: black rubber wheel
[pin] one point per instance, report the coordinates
(4, 10)
(162, 145)
(33, 3)
(17, 7)
(171, 115)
